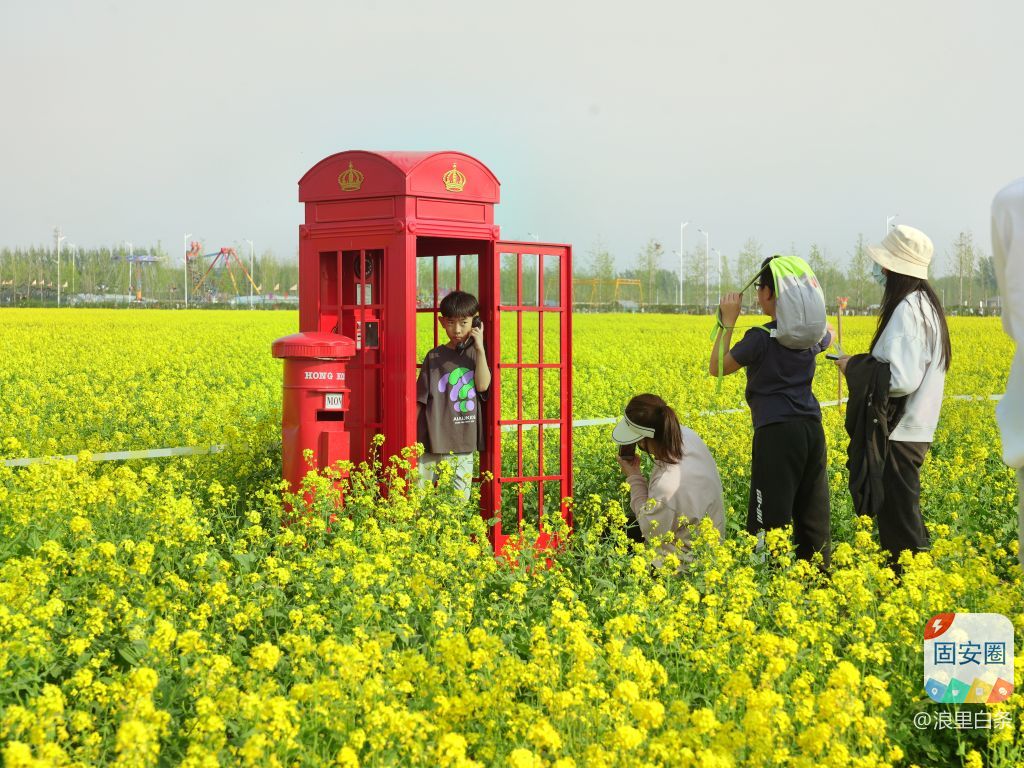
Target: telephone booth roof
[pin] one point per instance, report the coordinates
(359, 174)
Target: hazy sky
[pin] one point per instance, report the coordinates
(794, 122)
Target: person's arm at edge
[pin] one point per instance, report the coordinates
(730, 309)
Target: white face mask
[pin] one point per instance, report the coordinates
(878, 274)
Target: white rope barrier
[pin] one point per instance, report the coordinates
(160, 453)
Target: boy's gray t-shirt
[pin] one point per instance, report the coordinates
(450, 421)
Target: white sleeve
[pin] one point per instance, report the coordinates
(1008, 255)
(908, 359)
(650, 505)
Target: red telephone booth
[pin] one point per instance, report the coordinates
(386, 236)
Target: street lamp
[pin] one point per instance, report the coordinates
(719, 273)
(60, 238)
(682, 226)
(250, 271)
(185, 245)
(707, 241)
(74, 264)
(130, 254)
(888, 219)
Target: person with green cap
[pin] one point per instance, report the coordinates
(788, 472)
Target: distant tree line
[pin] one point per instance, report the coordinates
(963, 276)
(29, 276)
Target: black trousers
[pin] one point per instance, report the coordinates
(789, 484)
(900, 524)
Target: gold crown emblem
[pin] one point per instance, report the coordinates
(454, 180)
(351, 179)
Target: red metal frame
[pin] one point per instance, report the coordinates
(400, 208)
(561, 311)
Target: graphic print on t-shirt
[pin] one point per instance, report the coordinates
(461, 389)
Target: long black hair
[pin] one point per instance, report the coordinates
(897, 288)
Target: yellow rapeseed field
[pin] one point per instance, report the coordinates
(157, 613)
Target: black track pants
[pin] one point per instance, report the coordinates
(789, 484)
(900, 524)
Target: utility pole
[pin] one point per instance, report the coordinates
(59, 238)
(719, 281)
(129, 271)
(251, 276)
(185, 246)
(682, 226)
(707, 241)
(74, 264)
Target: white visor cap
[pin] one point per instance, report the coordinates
(627, 432)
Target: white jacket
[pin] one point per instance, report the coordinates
(912, 346)
(1008, 260)
(678, 496)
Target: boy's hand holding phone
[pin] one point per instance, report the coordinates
(477, 334)
(475, 338)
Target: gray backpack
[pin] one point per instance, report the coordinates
(799, 303)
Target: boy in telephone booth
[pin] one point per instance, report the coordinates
(451, 385)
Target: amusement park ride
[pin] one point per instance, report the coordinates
(210, 281)
(138, 264)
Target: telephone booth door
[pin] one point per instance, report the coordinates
(531, 389)
(349, 284)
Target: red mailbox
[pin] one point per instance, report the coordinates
(386, 236)
(316, 399)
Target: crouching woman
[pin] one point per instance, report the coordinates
(684, 486)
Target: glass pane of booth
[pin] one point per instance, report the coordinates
(531, 450)
(552, 275)
(509, 279)
(531, 337)
(446, 277)
(531, 280)
(552, 322)
(509, 337)
(552, 498)
(509, 393)
(425, 325)
(510, 452)
(552, 393)
(552, 451)
(424, 283)
(519, 499)
(469, 273)
(530, 394)
(531, 504)
(510, 506)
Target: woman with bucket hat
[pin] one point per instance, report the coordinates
(913, 339)
(684, 486)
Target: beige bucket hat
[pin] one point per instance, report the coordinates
(905, 250)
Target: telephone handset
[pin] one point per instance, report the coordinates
(468, 341)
